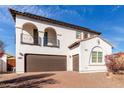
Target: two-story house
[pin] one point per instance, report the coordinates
(44, 44)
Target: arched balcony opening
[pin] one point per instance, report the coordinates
(30, 34)
(50, 37)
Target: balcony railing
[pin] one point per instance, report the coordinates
(28, 39)
(31, 40)
(51, 42)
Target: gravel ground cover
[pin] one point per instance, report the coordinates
(61, 79)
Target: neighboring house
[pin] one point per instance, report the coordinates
(6, 61)
(11, 63)
(44, 44)
(3, 63)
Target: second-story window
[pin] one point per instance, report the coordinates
(85, 35)
(78, 35)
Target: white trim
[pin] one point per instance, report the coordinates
(102, 63)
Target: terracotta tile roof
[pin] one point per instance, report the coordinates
(78, 42)
(41, 18)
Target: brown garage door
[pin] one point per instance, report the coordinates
(76, 62)
(38, 63)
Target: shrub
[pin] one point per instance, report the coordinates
(115, 62)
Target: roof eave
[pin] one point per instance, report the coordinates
(14, 13)
(78, 42)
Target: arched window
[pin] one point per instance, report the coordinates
(50, 37)
(97, 55)
(30, 33)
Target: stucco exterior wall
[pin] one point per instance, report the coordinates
(62, 34)
(85, 55)
(71, 52)
(66, 36)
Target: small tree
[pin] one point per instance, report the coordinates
(115, 62)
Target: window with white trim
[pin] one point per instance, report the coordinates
(97, 55)
(94, 57)
(78, 34)
(100, 57)
(85, 35)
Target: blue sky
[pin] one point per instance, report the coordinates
(106, 19)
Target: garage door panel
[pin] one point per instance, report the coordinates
(37, 63)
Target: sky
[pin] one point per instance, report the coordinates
(109, 20)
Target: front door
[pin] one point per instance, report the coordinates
(76, 62)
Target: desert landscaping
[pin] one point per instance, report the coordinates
(61, 80)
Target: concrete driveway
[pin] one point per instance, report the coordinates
(61, 80)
